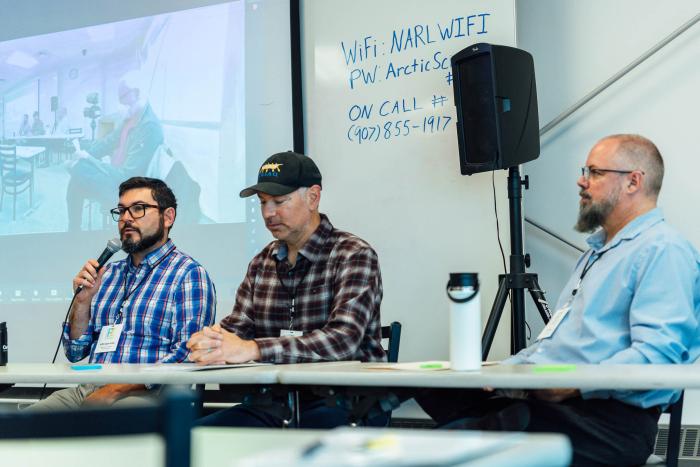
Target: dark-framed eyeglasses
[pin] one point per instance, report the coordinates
(136, 211)
(587, 172)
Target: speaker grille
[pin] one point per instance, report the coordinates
(478, 112)
(496, 100)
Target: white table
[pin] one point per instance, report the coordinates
(232, 446)
(501, 376)
(19, 373)
(29, 152)
(637, 377)
(58, 137)
(515, 449)
(32, 373)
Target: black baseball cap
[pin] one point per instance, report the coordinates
(283, 173)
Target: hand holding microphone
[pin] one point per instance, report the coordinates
(91, 274)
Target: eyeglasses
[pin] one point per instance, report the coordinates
(136, 211)
(587, 172)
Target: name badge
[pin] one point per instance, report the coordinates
(109, 338)
(290, 333)
(554, 322)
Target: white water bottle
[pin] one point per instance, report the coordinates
(465, 321)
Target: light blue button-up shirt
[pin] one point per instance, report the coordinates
(638, 303)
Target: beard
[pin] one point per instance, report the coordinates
(130, 246)
(594, 215)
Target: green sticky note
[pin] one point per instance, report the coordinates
(431, 365)
(553, 368)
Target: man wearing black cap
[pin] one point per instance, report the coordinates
(311, 295)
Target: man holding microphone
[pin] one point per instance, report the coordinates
(142, 309)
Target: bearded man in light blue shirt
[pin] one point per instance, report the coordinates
(634, 297)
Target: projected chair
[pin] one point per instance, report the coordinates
(100, 212)
(67, 146)
(172, 419)
(16, 176)
(166, 167)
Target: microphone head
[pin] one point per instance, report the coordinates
(114, 245)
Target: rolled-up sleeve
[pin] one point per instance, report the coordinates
(77, 349)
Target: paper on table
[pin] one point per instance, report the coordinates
(195, 367)
(355, 448)
(414, 366)
(435, 365)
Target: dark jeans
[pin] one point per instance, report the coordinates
(88, 182)
(602, 431)
(313, 414)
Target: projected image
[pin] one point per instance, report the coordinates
(83, 110)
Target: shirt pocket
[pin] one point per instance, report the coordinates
(151, 321)
(314, 304)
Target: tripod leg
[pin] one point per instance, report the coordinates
(517, 316)
(538, 297)
(496, 310)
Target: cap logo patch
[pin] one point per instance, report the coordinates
(270, 170)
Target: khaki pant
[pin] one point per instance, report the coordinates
(73, 398)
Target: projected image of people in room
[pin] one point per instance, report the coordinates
(160, 96)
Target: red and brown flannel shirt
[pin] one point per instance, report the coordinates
(338, 289)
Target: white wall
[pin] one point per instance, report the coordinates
(577, 46)
(404, 194)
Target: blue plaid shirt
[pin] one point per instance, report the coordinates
(166, 299)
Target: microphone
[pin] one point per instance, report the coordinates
(112, 247)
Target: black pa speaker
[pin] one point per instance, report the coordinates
(496, 99)
(54, 103)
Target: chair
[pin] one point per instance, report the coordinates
(64, 148)
(93, 206)
(669, 440)
(16, 176)
(367, 401)
(392, 332)
(172, 418)
(173, 172)
(674, 432)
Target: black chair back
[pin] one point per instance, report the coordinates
(675, 411)
(392, 332)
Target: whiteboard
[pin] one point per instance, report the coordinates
(380, 122)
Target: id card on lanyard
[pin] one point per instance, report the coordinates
(110, 334)
(109, 338)
(561, 313)
(292, 293)
(554, 322)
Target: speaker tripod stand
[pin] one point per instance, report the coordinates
(517, 280)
